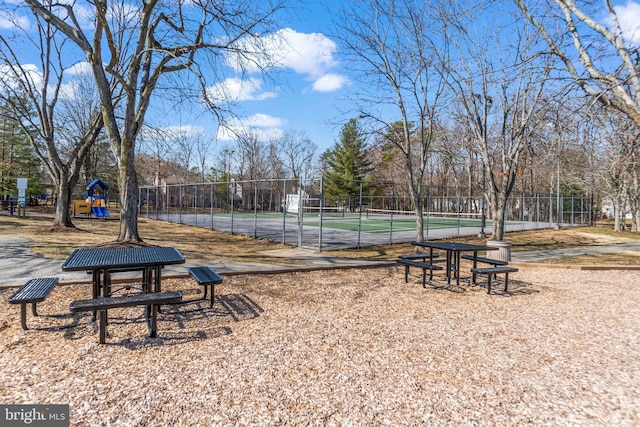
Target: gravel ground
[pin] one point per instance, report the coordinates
(344, 347)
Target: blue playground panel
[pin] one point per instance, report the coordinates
(100, 211)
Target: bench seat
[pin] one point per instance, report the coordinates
(423, 256)
(153, 299)
(34, 291)
(491, 261)
(205, 276)
(422, 265)
(492, 272)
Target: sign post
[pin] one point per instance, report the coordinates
(22, 188)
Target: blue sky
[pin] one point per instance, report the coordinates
(305, 93)
(301, 98)
(312, 83)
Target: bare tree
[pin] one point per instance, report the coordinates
(252, 151)
(618, 164)
(61, 126)
(203, 149)
(182, 145)
(153, 143)
(599, 57)
(297, 152)
(602, 59)
(390, 50)
(499, 79)
(130, 49)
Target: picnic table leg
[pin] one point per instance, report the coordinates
(95, 278)
(102, 327)
(23, 315)
(157, 281)
(449, 254)
(430, 262)
(506, 281)
(475, 265)
(457, 267)
(154, 320)
(147, 275)
(157, 278)
(106, 283)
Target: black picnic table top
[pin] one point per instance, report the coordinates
(110, 258)
(454, 246)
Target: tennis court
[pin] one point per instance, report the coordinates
(299, 213)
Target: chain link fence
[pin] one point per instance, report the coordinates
(326, 214)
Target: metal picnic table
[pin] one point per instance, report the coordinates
(453, 250)
(102, 262)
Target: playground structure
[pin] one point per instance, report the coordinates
(93, 204)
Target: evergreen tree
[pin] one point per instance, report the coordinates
(17, 159)
(346, 165)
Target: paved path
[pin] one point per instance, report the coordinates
(18, 263)
(536, 256)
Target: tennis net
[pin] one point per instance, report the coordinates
(403, 215)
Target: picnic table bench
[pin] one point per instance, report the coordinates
(205, 276)
(490, 261)
(34, 291)
(153, 299)
(422, 265)
(423, 256)
(492, 272)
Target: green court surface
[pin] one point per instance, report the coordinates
(397, 225)
(364, 223)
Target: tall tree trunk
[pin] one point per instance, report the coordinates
(498, 209)
(62, 217)
(129, 196)
(417, 208)
(65, 183)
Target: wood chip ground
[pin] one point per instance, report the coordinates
(346, 347)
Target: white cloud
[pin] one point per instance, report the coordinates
(9, 21)
(311, 55)
(264, 125)
(184, 130)
(8, 77)
(263, 120)
(80, 68)
(235, 89)
(69, 90)
(330, 82)
(629, 18)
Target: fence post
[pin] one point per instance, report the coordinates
(458, 209)
(359, 215)
(285, 207)
(255, 210)
(428, 206)
(523, 216)
(393, 197)
(232, 198)
(180, 205)
(321, 195)
(300, 212)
